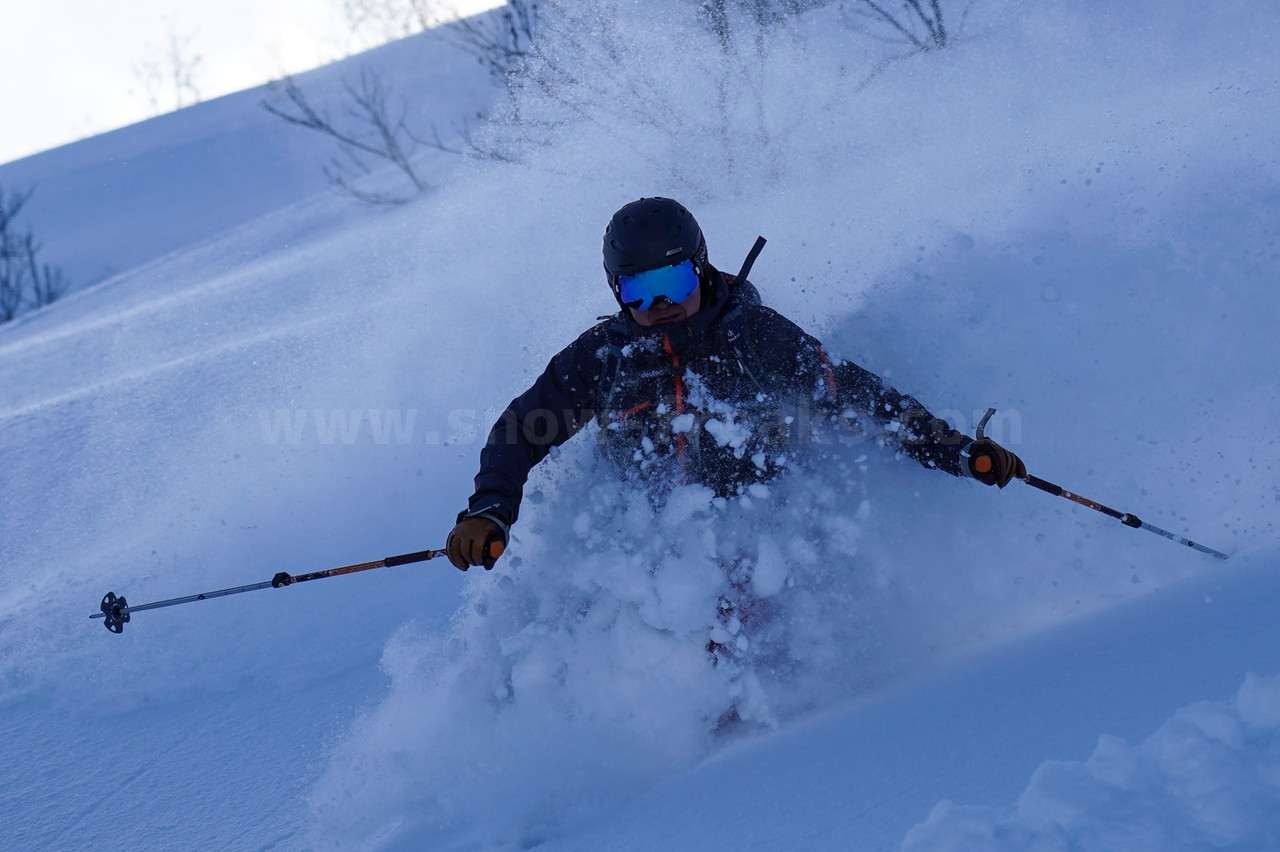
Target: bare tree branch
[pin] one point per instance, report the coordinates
(374, 126)
(20, 269)
(910, 20)
(48, 284)
(13, 261)
(376, 22)
(173, 72)
(469, 147)
(500, 42)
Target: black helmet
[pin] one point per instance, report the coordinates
(648, 234)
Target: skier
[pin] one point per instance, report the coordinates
(693, 381)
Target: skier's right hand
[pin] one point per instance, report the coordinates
(475, 541)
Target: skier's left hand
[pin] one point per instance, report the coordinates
(992, 464)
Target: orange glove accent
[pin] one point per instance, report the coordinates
(475, 541)
(992, 464)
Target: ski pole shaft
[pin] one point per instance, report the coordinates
(116, 610)
(1129, 520)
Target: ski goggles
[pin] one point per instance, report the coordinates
(673, 283)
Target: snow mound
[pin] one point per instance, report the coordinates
(1209, 778)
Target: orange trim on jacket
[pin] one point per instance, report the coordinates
(681, 454)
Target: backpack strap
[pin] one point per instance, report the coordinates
(751, 258)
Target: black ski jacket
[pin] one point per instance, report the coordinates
(728, 398)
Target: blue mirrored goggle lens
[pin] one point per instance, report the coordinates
(675, 283)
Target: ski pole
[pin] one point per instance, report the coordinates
(1126, 518)
(116, 610)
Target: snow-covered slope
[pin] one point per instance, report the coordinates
(982, 722)
(1090, 247)
(108, 204)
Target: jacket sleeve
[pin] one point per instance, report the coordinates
(844, 387)
(545, 416)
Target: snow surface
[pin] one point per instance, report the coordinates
(1069, 215)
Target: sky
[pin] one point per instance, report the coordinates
(74, 68)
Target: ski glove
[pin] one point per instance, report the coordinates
(476, 540)
(992, 464)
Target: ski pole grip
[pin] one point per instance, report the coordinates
(410, 558)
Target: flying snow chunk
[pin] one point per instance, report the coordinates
(728, 433)
(770, 574)
(680, 424)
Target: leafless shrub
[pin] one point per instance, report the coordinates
(714, 121)
(376, 22)
(919, 24)
(48, 283)
(371, 126)
(589, 72)
(717, 15)
(24, 281)
(12, 282)
(500, 41)
(168, 81)
(469, 144)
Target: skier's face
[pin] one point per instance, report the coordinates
(665, 313)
